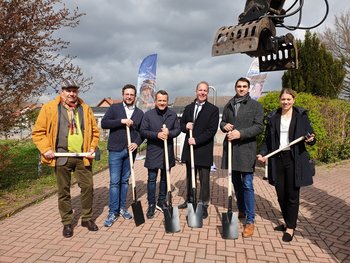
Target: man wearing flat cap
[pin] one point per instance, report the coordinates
(67, 124)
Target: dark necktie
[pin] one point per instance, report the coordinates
(196, 111)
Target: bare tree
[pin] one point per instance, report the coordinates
(337, 40)
(30, 53)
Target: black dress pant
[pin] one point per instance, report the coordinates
(204, 179)
(287, 193)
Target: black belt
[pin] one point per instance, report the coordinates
(284, 153)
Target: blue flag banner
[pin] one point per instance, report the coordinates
(256, 80)
(146, 82)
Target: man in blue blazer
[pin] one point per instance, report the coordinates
(116, 119)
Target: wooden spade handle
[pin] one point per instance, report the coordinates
(131, 160)
(229, 188)
(167, 169)
(192, 163)
(74, 154)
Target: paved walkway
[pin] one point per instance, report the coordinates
(323, 233)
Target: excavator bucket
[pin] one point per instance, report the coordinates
(257, 39)
(285, 58)
(243, 38)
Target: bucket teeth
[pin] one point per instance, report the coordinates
(258, 39)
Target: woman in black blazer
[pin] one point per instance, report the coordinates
(290, 169)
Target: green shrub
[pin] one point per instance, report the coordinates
(330, 120)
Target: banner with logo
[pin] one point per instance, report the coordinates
(146, 82)
(257, 80)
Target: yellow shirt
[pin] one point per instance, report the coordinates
(75, 141)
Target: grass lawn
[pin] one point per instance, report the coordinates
(23, 181)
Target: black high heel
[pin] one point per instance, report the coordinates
(287, 237)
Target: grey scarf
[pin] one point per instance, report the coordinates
(237, 100)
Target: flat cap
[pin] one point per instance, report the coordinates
(69, 83)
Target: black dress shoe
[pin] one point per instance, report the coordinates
(287, 237)
(67, 231)
(280, 228)
(90, 225)
(205, 212)
(183, 205)
(151, 211)
(161, 206)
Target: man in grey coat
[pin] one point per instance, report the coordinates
(242, 120)
(152, 129)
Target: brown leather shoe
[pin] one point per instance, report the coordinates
(248, 230)
(90, 225)
(67, 231)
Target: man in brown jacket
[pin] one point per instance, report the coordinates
(67, 124)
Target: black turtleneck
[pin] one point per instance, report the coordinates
(161, 112)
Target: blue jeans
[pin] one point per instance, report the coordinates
(152, 185)
(244, 190)
(119, 169)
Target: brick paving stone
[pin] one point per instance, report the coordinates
(164, 257)
(151, 261)
(33, 258)
(190, 257)
(112, 258)
(150, 252)
(179, 259)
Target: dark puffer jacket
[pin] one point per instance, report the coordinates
(152, 124)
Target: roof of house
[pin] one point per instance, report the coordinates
(106, 102)
(99, 110)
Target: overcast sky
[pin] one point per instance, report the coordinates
(114, 36)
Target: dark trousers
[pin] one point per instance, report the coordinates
(152, 186)
(287, 193)
(204, 179)
(83, 175)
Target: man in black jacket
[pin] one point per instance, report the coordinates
(202, 118)
(116, 119)
(152, 129)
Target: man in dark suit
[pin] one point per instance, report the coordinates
(202, 118)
